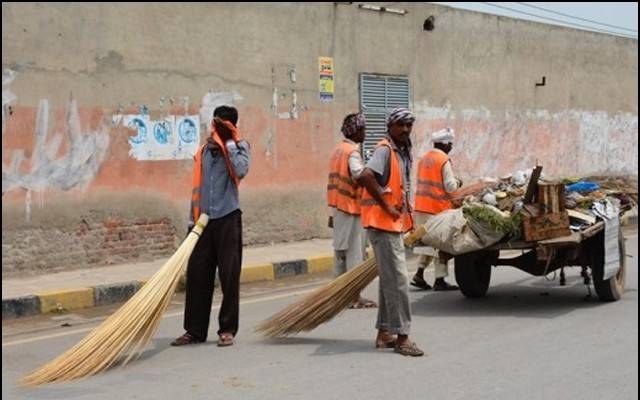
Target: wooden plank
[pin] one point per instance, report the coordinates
(533, 185)
(512, 245)
(582, 216)
(545, 226)
(574, 237)
(551, 197)
(592, 230)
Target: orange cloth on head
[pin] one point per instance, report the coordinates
(235, 133)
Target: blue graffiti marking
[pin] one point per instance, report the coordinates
(187, 131)
(141, 127)
(162, 131)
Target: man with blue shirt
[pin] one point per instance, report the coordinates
(220, 165)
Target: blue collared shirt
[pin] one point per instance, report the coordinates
(218, 192)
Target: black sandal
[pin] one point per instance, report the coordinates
(420, 283)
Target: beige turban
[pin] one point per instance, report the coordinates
(443, 136)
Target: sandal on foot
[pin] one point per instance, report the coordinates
(443, 286)
(420, 283)
(364, 303)
(386, 341)
(226, 339)
(185, 339)
(408, 349)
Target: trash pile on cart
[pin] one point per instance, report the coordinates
(527, 206)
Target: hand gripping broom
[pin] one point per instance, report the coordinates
(326, 302)
(129, 329)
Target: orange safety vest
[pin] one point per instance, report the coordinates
(431, 198)
(343, 192)
(197, 171)
(373, 216)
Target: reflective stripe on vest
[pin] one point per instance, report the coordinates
(373, 216)
(431, 196)
(343, 192)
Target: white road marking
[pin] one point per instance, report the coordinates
(169, 315)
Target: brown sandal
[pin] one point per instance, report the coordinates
(363, 303)
(408, 349)
(185, 339)
(226, 339)
(386, 341)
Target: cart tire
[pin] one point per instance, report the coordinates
(610, 289)
(473, 272)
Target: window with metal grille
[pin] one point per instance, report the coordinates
(379, 94)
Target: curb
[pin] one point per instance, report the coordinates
(61, 301)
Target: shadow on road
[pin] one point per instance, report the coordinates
(328, 347)
(523, 299)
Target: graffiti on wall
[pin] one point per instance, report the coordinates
(173, 137)
(565, 143)
(49, 170)
(7, 96)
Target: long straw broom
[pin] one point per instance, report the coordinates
(329, 300)
(129, 329)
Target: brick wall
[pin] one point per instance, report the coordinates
(90, 243)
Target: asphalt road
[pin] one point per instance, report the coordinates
(529, 338)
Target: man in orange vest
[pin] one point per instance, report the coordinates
(386, 214)
(220, 164)
(435, 184)
(343, 195)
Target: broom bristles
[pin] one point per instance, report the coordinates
(129, 329)
(322, 304)
(329, 300)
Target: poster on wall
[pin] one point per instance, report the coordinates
(325, 66)
(169, 138)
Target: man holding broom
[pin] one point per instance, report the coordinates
(386, 214)
(436, 182)
(220, 164)
(343, 195)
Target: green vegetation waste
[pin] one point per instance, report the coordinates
(509, 225)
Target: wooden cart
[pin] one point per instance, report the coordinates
(583, 249)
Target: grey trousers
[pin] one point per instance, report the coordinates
(394, 308)
(349, 242)
(345, 260)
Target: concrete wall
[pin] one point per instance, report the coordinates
(70, 74)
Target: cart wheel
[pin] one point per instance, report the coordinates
(473, 272)
(610, 289)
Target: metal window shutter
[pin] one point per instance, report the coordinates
(379, 94)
